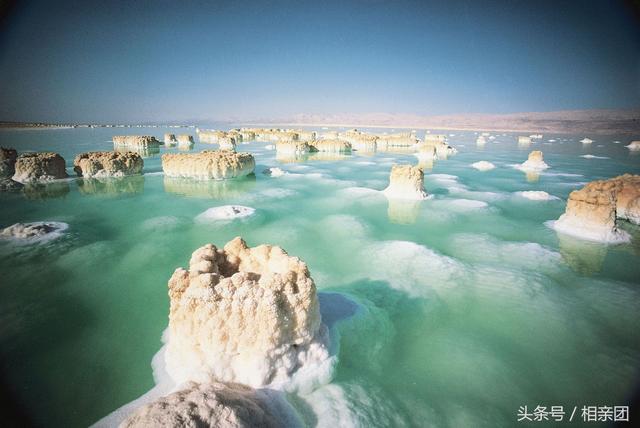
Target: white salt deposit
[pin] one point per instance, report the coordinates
(536, 195)
(225, 212)
(593, 157)
(483, 166)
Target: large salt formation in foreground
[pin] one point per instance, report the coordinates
(136, 141)
(208, 165)
(107, 164)
(592, 212)
(241, 314)
(207, 405)
(44, 166)
(406, 182)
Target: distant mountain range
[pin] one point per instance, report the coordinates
(569, 121)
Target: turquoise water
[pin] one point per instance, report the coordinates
(459, 313)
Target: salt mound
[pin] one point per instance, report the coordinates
(406, 182)
(30, 167)
(248, 315)
(274, 172)
(634, 145)
(534, 162)
(536, 195)
(483, 166)
(586, 140)
(225, 212)
(467, 204)
(213, 404)
(33, 232)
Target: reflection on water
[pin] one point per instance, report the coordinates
(215, 189)
(425, 163)
(583, 257)
(51, 190)
(112, 185)
(145, 152)
(397, 149)
(532, 176)
(291, 157)
(402, 211)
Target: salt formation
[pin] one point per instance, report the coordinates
(7, 169)
(185, 140)
(30, 167)
(634, 145)
(207, 165)
(227, 143)
(274, 172)
(225, 212)
(333, 146)
(483, 165)
(535, 162)
(211, 136)
(107, 164)
(586, 141)
(426, 152)
(397, 140)
(213, 404)
(33, 231)
(136, 141)
(536, 195)
(294, 147)
(8, 159)
(592, 211)
(481, 141)
(358, 140)
(241, 314)
(406, 182)
(170, 139)
(524, 140)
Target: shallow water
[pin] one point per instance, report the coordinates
(460, 308)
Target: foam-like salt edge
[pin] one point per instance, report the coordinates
(225, 212)
(58, 229)
(589, 233)
(536, 195)
(593, 157)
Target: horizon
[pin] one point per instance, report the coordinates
(228, 62)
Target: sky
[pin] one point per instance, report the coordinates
(164, 61)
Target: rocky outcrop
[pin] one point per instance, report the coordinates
(535, 162)
(406, 182)
(31, 167)
(294, 147)
(136, 141)
(170, 139)
(185, 140)
(107, 164)
(592, 211)
(241, 314)
(208, 165)
(8, 159)
(332, 146)
(215, 405)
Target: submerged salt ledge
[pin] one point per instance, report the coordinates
(536, 195)
(483, 166)
(226, 212)
(28, 233)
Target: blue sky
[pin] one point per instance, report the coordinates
(181, 60)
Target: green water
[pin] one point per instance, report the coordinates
(458, 312)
